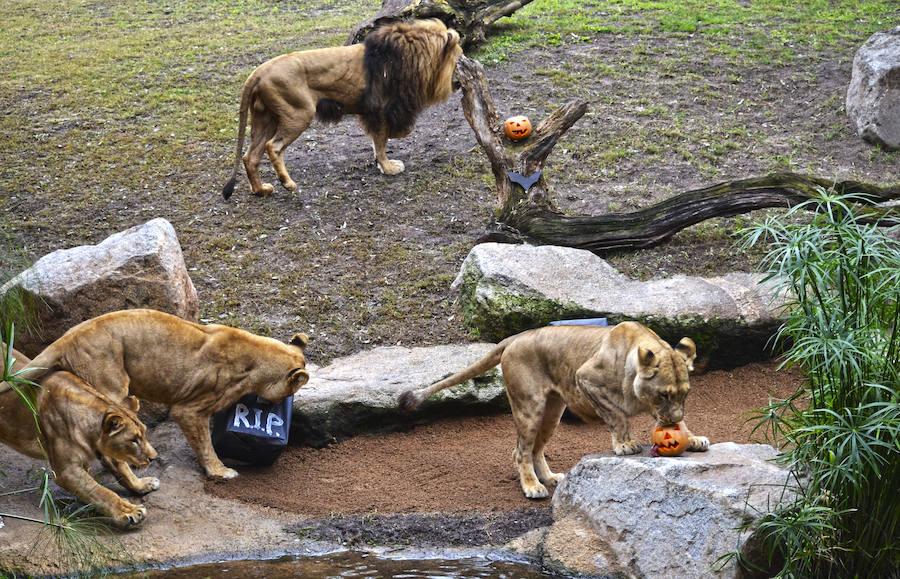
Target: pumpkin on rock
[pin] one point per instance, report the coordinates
(668, 440)
(517, 128)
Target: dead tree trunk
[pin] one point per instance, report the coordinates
(468, 17)
(526, 213)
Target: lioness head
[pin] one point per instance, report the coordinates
(295, 378)
(662, 379)
(124, 437)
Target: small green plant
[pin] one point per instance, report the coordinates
(839, 433)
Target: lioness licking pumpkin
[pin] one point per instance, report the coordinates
(78, 425)
(398, 71)
(600, 373)
(196, 369)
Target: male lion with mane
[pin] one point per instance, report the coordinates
(78, 425)
(398, 71)
(600, 373)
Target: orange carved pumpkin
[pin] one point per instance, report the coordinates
(517, 128)
(669, 440)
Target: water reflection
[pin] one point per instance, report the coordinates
(354, 564)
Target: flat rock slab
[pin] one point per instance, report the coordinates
(359, 393)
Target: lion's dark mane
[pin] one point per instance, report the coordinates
(393, 96)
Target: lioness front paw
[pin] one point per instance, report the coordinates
(392, 167)
(130, 515)
(224, 473)
(554, 479)
(627, 447)
(537, 491)
(698, 444)
(148, 484)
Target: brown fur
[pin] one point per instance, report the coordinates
(77, 425)
(401, 69)
(196, 369)
(600, 373)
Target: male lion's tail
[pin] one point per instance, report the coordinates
(412, 398)
(228, 189)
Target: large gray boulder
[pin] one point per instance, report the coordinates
(142, 267)
(504, 289)
(661, 517)
(873, 98)
(359, 393)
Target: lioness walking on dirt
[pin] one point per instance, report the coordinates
(600, 373)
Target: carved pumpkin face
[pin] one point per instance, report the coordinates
(669, 440)
(517, 128)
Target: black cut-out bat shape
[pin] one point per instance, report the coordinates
(522, 180)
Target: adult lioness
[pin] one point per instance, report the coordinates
(401, 69)
(78, 425)
(598, 372)
(196, 369)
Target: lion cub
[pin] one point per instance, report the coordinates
(78, 425)
(600, 373)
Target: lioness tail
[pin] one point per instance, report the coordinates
(410, 399)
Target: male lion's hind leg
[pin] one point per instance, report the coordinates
(79, 482)
(196, 429)
(553, 411)
(289, 128)
(385, 165)
(262, 129)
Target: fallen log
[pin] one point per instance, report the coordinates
(526, 213)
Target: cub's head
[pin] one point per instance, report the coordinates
(662, 381)
(295, 377)
(124, 437)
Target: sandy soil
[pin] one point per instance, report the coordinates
(465, 464)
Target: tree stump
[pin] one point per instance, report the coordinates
(468, 17)
(526, 213)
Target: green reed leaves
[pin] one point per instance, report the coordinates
(839, 281)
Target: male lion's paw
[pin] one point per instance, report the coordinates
(536, 491)
(627, 447)
(265, 190)
(698, 444)
(392, 167)
(289, 184)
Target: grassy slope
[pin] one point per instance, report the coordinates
(118, 112)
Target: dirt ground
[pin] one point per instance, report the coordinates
(464, 464)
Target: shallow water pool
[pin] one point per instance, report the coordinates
(355, 564)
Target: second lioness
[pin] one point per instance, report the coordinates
(196, 369)
(600, 373)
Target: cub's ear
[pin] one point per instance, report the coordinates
(300, 340)
(112, 423)
(133, 403)
(688, 351)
